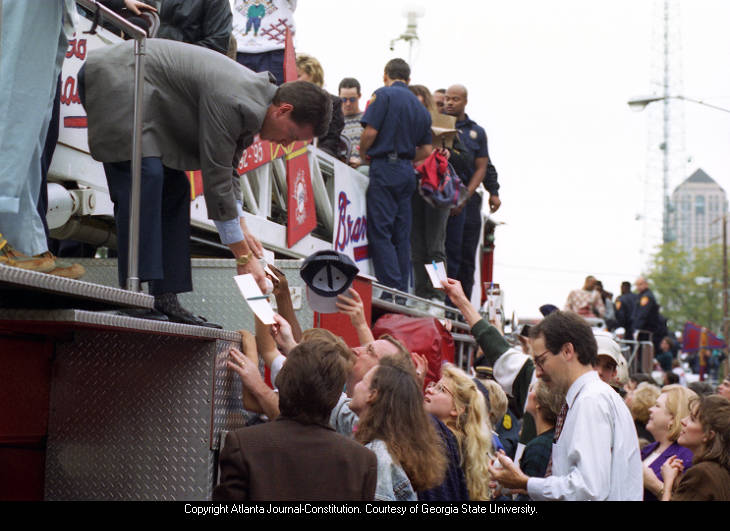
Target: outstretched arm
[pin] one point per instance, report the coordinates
(352, 306)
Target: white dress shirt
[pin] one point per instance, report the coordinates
(597, 455)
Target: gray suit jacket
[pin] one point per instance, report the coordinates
(200, 110)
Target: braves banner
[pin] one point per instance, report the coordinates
(696, 337)
(301, 214)
(350, 233)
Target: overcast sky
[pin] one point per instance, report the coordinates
(549, 81)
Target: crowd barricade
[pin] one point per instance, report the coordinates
(639, 355)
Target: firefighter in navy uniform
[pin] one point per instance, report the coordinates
(625, 305)
(646, 318)
(397, 130)
(470, 158)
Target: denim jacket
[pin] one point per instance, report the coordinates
(393, 484)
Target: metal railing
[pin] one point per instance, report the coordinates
(639, 354)
(140, 37)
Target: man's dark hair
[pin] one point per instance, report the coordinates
(398, 69)
(625, 287)
(349, 82)
(312, 105)
(560, 328)
(311, 381)
(640, 377)
(440, 91)
(671, 378)
(701, 388)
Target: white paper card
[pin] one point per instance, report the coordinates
(257, 301)
(437, 273)
(269, 259)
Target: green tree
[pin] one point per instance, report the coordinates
(688, 286)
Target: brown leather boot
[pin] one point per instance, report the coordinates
(13, 258)
(65, 269)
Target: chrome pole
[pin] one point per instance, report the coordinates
(140, 37)
(133, 283)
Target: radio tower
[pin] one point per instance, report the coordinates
(666, 143)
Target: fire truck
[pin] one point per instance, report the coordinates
(98, 405)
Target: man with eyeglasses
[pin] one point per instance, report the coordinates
(596, 450)
(350, 96)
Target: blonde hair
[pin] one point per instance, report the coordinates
(678, 398)
(310, 66)
(549, 401)
(472, 430)
(497, 401)
(643, 397)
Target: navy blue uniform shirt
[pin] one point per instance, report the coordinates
(472, 144)
(402, 122)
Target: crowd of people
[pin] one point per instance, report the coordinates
(581, 437)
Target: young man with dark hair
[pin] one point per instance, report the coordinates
(438, 98)
(298, 456)
(397, 131)
(596, 453)
(349, 92)
(200, 111)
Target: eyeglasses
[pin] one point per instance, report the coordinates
(540, 359)
(439, 388)
(351, 99)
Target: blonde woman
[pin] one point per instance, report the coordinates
(456, 401)
(665, 424)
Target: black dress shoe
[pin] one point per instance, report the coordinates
(170, 306)
(185, 317)
(153, 315)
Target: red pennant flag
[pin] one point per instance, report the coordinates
(301, 213)
(290, 59)
(694, 339)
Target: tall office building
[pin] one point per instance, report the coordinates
(697, 204)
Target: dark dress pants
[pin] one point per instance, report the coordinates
(428, 236)
(392, 183)
(470, 242)
(164, 235)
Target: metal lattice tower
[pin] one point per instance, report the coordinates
(666, 158)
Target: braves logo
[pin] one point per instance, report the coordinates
(348, 230)
(300, 193)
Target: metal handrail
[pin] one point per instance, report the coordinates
(140, 37)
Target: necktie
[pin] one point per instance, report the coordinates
(558, 428)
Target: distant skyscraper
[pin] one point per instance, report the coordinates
(697, 203)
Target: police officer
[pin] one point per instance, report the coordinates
(397, 129)
(625, 309)
(470, 159)
(647, 319)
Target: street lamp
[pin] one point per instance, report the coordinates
(638, 104)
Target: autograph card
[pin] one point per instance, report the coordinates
(257, 301)
(437, 273)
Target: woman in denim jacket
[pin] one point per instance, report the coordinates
(394, 425)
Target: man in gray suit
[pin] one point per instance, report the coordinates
(201, 110)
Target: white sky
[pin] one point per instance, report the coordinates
(549, 81)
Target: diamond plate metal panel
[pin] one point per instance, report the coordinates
(14, 276)
(131, 418)
(214, 296)
(112, 320)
